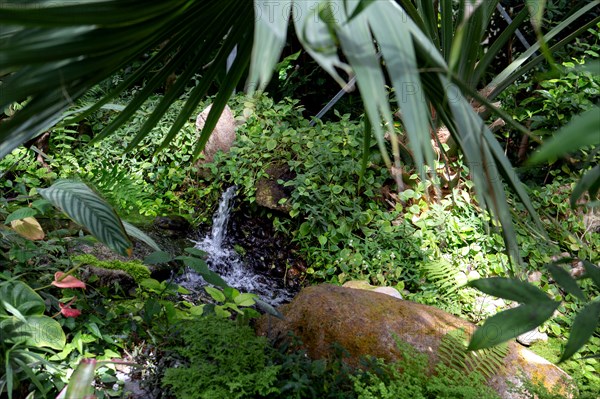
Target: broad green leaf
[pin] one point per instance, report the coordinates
(195, 251)
(22, 297)
(200, 267)
(140, 235)
(88, 209)
(28, 228)
(158, 257)
(511, 289)
(151, 284)
(583, 130)
(245, 299)
(564, 279)
(511, 323)
(38, 331)
(42, 205)
(20, 213)
(356, 42)
(216, 294)
(584, 325)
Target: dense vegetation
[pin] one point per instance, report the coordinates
(342, 210)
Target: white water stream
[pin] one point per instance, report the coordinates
(222, 259)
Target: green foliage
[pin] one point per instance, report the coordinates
(585, 372)
(134, 268)
(409, 378)
(223, 360)
(228, 299)
(25, 331)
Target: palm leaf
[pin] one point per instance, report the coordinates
(92, 41)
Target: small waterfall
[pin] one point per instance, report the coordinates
(222, 259)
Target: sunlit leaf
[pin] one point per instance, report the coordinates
(511, 323)
(270, 32)
(584, 325)
(245, 299)
(39, 331)
(216, 294)
(28, 228)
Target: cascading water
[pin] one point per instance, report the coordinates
(222, 259)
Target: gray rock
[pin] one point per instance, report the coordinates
(531, 337)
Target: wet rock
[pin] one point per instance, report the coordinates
(264, 250)
(368, 323)
(173, 225)
(221, 138)
(269, 192)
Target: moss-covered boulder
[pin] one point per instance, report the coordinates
(110, 272)
(369, 323)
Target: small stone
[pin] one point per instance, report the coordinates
(531, 337)
(534, 277)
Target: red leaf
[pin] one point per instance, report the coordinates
(67, 311)
(67, 282)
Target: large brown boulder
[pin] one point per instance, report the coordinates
(223, 135)
(367, 323)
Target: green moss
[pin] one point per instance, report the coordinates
(135, 268)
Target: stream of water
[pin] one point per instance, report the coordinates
(222, 259)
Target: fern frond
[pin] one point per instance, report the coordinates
(453, 352)
(443, 274)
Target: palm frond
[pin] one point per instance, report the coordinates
(48, 62)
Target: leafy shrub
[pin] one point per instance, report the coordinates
(224, 360)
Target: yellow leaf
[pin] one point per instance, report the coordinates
(28, 228)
